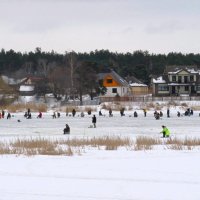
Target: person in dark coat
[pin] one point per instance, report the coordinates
(100, 113)
(157, 116)
(8, 116)
(178, 114)
(145, 112)
(26, 115)
(110, 112)
(28, 111)
(29, 116)
(66, 129)
(168, 112)
(73, 112)
(89, 112)
(135, 114)
(122, 112)
(54, 115)
(58, 114)
(94, 120)
(3, 113)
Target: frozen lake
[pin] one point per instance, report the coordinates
(159, 174)
(116, 125)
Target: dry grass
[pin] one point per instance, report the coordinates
(75, 146)
(146, 143)
(22, 107)
(110, 143)
(89, 108)
(117, 106)
(181, 144)
(68, 147)
(187, 142)
(184, 105)
(30, 147)
(69, 109)
(152, 105)
(195, 108)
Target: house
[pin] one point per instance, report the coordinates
(177, 81)
(137, 88)
(28, 86)
(27, 90)
(114, 83)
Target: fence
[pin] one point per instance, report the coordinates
(99, 100)
(150, 99)
(84, 102)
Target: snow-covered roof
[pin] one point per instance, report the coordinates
(11, 81)
(178, 84)
(26, 88)
(159, 80)
(115, 76)
(138, 85)
(174, 69)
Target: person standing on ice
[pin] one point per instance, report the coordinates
(73, 112)
(110, 112)
(145, 112)
(165, 131)
(168, 112)
(94, 120)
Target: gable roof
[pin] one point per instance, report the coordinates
(174, 69)
(11, 81)
(115, 76)
(26, 88)
(133, 81)
(159, 79)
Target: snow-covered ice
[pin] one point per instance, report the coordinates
(100, 174)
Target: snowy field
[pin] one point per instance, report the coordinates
(99, 174)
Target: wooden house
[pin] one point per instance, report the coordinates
(115, 84)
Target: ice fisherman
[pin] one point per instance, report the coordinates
(73, 112)
(39, 115)
(122, 112)
(66, 129)
(94, 120)
(165, 131)
(110, 112)
(168, 112)
(145, 112)
(135, 114)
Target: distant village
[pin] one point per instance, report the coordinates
(176, 83)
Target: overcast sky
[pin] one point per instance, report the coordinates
(158, 26)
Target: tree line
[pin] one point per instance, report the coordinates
(74, 72)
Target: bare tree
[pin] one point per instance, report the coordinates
(86, 79)
(71, 64)
(59, 82)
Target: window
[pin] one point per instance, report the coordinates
(198, 87)
(163, 88)
(109, 80)
(186, 88)
(185, 79)
(114, 90)
(179, 79)
(192, 78)
(174, 78)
